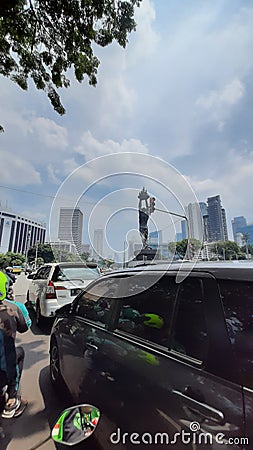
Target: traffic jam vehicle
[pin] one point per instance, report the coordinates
(56, 284)
(166, 362)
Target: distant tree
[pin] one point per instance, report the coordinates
(39, 262)
(226, 250)
(181, 248)
(43, 39)
(172, 247)
(44, 251)
(85, 256)
(11, 259)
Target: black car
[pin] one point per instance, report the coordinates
(165, 353)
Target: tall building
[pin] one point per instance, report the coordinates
(246, 231)
(224, 224)
(71, 226)
(86, 248)
(184, 229)
(155, 238)
(217, 225)
(204, 212)
(98, 243)
(238, 223)
(18, 233)
(195, 221)
(203, 208)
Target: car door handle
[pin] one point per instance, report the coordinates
(92, 346)
(204, 410)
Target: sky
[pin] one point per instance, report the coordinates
(177, 100)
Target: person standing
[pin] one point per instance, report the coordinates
(12, 321)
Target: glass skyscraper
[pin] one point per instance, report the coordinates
(217, 224)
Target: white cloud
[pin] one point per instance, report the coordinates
(17, 171)
(235, 185)
(145, 40)
(52, 173)
(49, 133)
(219, 102)
(91, 147)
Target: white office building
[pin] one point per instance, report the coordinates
(18, 233)
(98, 243)
(71, 226)
(195, 221)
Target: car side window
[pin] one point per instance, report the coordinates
(189, 334)
(95, 303)
(46, 273)
(237, 299)
(39, 274)
(147, 311)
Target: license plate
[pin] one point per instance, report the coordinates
(75, 291)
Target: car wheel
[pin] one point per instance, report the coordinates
(55, 373)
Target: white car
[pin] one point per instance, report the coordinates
(56, 284)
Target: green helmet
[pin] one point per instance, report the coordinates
(153, 321)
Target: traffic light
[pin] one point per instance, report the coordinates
(152, 204)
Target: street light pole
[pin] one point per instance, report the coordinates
(36, 255)
(187, 225)
(27, 245)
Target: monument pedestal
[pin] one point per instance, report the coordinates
(146, 254)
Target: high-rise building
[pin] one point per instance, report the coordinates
(86, 248)
(71, 226)
(217, 225)
(18, 233)
(224, 224)
(98, 243)
(203, 208)
(238, 223)
(204, 212)
(155, 238)
(195, 221)
(247, 234)
(184, 229)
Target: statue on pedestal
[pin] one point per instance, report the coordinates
(144, 213)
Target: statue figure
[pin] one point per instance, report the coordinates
(144, 212)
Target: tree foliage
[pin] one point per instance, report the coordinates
(43, 39)
(227, 250)
(44, 251)
(180, 247)
(11, 259)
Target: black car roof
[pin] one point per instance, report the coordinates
(221, 270)
(90, 265)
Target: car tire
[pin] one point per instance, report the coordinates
(54, 365)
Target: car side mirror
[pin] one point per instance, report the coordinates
(65, 309)
(76, 424)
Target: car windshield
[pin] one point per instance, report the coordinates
(78, 273)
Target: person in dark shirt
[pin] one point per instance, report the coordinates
(12, 321)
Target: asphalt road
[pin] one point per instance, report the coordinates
(28, 431)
